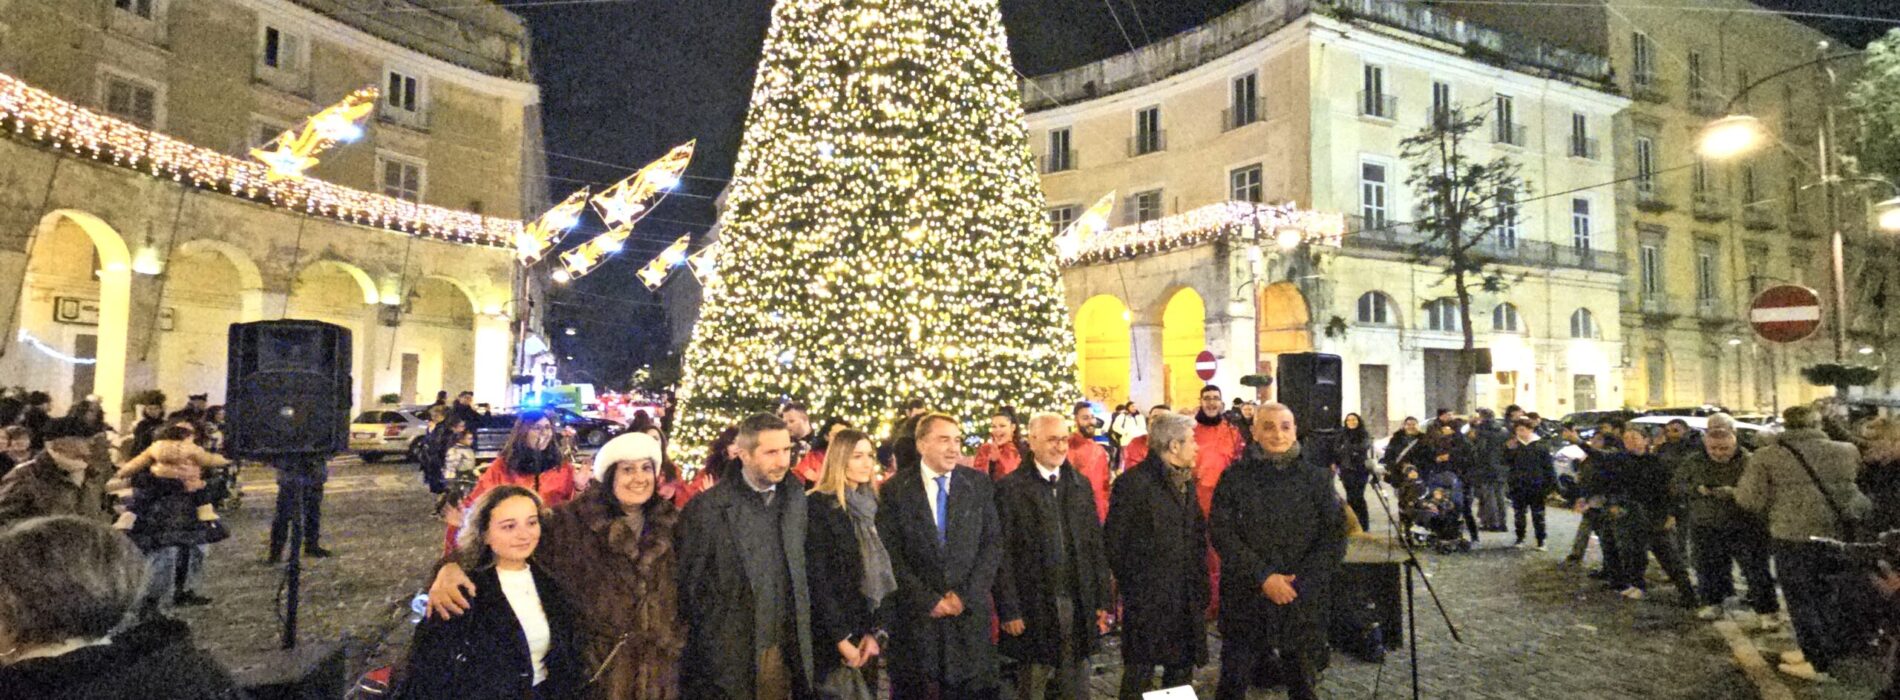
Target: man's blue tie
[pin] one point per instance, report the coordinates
(943, 509)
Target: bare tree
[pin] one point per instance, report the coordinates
(1462, 205)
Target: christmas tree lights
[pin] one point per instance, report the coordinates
(36, 115)
(884, 236)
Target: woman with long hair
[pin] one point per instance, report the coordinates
(532, 458)
(518, 637)
(722, 460)
(850, 571)
(1004, 451)
(1353, 451)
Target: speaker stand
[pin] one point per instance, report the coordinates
(298, 471)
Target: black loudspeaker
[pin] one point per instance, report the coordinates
(288, 389)
(1481, 360)
(1309, 384)
(309, 672)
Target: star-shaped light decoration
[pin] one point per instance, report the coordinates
(1095, 220)
(628, 200)
(539, 235)
(295, 150)
(704, 263)
(583, 258)
(655, 272)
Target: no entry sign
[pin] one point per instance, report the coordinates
(1204, 365)
(1785, 313)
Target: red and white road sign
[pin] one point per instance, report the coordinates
(1785, 313)
(1204, 365)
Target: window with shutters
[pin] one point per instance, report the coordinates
(1060, 218)
(1504, 319)
(1580, 224)
(1441, 102)
(401, 178)
(1650, 259)
(1642, 59)
(1706, 282)
(1146, 206)
(1583, 324)
(1372, 194)
(132, 100)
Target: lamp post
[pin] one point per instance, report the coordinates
(1737, 134)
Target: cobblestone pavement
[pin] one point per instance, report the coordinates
(1533, 628)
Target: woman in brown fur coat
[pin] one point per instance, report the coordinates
(611, 550)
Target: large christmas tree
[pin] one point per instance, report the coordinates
(884, 236)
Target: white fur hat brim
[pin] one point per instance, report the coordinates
(631, 447)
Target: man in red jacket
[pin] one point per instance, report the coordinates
(1088, 457)
(1137, 449)
(1220, 444)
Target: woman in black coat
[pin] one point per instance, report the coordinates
(500, 648)
(1156, 545)
(849, 570)
(1353, 453)
(1449, 451)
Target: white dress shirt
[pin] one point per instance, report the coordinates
(930, 490)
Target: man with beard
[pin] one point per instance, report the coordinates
(151, 418)
(1281, 534)
(1219, 444)
(1052, 590)
(1088, 457)
(743, 587)
(807, 463)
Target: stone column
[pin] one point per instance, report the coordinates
(1146, 370)
(494, 350)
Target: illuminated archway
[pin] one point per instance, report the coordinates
(1285, 321)
(1103, 348)
(340, 293)
(70, 330)
(208, 286)
(433, 348)
(1183, 337)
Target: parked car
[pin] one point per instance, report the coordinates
(1703, 410)
(386, 431)
(1750, 434)
(588, 432)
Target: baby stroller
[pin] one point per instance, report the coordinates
(1434, 514)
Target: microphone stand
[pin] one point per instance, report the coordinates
(1413, 566)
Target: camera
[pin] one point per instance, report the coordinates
(1868, 555)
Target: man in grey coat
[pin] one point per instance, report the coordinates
(1805, 485)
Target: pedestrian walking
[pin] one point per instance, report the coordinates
(1725, 535)
(1275, 518)
(1052, 589)
(744, 593)
(940, 527)
(1804, 485)
(1156, 543)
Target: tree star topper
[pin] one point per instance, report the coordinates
(538, 236)
(295, 150)
(627, 201)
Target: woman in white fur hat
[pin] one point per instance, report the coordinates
(611, 550)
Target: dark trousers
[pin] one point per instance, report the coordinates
(1535, 509)
(1637, 536)
(1139, 678)
(1808, 572)
(288, 486)
(1466, 513)
(1720, 548)
(1355, 482)
(1243, 660)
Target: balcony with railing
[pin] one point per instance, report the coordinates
(1379, 105)
(1649, 195)
(1146, 142)
(1403, 241)
(1759, 216)
(1243, 114)
(1705, 103)
(1059, 161)
(1510, 134)
(1584, 147)
(1649, 87)
(1712, 310)
(1654, 305)
(1710, 206)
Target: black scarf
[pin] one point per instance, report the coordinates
(534, 462)
(1202, 418)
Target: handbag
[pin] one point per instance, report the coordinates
(845, 683)
(1850, 527)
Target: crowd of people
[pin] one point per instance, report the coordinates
(819, 561)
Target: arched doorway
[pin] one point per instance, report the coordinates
(1183, 337)
(337, 292)
(208, 286)
(1103, 347)
(433, 349)
(1285, 325)
(70, 328)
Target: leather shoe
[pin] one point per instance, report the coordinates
(316, 552)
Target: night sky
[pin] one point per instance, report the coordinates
(623, 81)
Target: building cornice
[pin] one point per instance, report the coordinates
(319, 26)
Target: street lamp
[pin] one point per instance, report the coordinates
(1887, 215)
(1731, 136)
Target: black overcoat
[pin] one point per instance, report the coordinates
(483, 653)
(1532, 471)
(1270, 519)
(839, 610)
(1157, 548)
(1023, 589)
(716, 597)
(954, 650)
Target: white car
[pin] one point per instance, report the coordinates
(386, 431)
(1750, 434)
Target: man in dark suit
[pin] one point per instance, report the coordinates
(743, 588)
(1052, 591)
(939, 524)
(1281, 535)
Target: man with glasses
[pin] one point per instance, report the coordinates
(939, 524)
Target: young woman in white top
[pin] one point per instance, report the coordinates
(517, 639)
